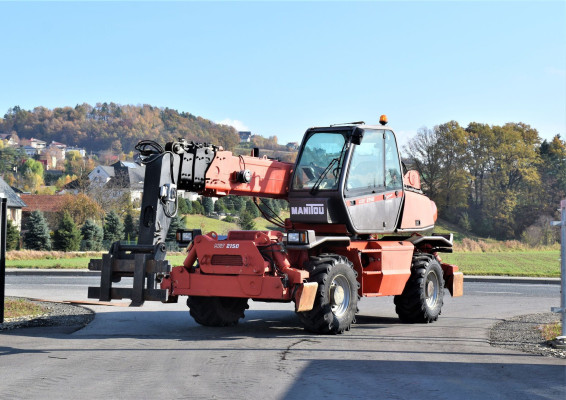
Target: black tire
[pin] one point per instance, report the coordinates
(217, 311)
(336, 301)
(422, 298)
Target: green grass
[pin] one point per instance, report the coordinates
(220, 227)
(520, 263)
(514, 261)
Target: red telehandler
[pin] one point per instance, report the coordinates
(353, 231)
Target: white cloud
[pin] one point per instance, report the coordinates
(238, 125)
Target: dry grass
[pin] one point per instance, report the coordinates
(49, 255)
(14, 308)
(493, 246)
(550, 331)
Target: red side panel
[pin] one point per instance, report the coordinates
(383, 267)
(269, 178)
(419, 212)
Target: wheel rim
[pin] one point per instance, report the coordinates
(339, 295)
(431, 289)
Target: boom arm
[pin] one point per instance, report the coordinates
(204, 169)
(196, 167)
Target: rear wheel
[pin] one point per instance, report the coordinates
(422, 298)
(217, 311)
(336, 301)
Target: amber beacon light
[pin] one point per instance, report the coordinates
(383, 119)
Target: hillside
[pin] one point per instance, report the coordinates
(113, 126)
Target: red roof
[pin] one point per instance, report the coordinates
(42, 202)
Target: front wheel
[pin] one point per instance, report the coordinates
(217, 311)
(422, 298)
(336, 301)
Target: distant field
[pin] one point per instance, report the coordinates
(523, 263)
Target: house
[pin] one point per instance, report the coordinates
(79, 150)
(33, 142)
(10, 139)
(49, 204)
(119, 178)
(14, 204)
(30, 150)
(245, 136)
(101, 174)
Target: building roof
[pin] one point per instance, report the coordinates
(14, 201)
(43, 202)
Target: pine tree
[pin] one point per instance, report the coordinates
(67, 237)
(92, 236)
(251, 208)
(113, 228)
(37, 236)
(130, 228)
(182, 206)
(12, 236)
(176, 223)
(246, 221)
(208, 205)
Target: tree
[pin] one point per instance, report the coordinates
(113, 228)
(197, 207)
(92, 235)
(82, 207)
(176, 223)
(208, 205)
(251, 208)
(130, 228)
(67, 237)
(12, 236)
(37, 235)
(246, 221)
(182, 206)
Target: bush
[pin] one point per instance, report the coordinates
(113, 228)
(12, 236)
(92, 236)
(67, 237)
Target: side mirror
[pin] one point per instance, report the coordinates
(413, 179)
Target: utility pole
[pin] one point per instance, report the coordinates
(3, 227)
(561, 340)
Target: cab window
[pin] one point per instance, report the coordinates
(393, 176)
(367, 165)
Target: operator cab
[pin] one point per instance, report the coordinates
(348, 175)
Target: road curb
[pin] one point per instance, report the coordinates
(467, 278)
(51, 272)
(512, 279)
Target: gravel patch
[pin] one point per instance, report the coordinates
(523, 333)
(58, 314)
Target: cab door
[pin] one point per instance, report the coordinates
(373, 188)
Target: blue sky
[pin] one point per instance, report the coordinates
(279, 68)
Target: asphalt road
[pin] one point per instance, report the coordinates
(157, 351)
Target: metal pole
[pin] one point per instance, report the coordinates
(562, 308)
(3, 228)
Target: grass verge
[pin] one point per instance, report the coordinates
(15, 308)
(520, 263)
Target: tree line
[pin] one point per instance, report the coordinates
(83, 225)
(495, 181)
(110, 126)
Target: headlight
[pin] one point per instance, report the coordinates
(293, 237)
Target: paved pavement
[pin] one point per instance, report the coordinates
(157, 351)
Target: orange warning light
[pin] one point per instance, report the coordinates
(383, 119)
